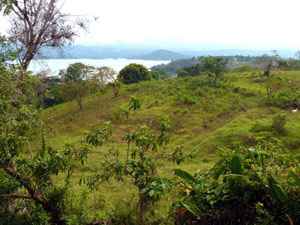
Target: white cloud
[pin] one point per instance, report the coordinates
(255, 23)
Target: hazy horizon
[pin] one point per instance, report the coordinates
(182, 46)
(192, 24)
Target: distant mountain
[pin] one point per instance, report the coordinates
(92, 52)
(147, 52)
(161, 55)
(232, 52)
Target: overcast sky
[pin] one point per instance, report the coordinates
(244, 24)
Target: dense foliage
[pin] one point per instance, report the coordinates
(256, 185)
(46, 181)
(133, 73)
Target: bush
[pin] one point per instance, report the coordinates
(243, 68)
(183, 98)
(236, 90)
(258, 127)
(124, 213)
(283, 100)
(242, 188)
(278, 123)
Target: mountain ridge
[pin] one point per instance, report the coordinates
(147, 53)
(161, 54)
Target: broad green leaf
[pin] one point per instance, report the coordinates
(296, 178)
(276, 190)
(236, 165)
(193, 208)
(199, 188)
(185, 176)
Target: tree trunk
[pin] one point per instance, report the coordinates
(215, 81)
(116, 93)
(142, 208)
(79, 102)
(36, 196)
(268, 69)
(143, 204)
(41, 100)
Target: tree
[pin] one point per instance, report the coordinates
(141, 165)
(77, 77)
(133, 73)
(182, 73)
(159, 74)
(268, 62)
(115, 87)
(214, 66)
(41, 87)
(271, 84)
(76, 72)
(53, 94)
(25, 174)
(190, 71)
(104, 75)
(36, 24)
(76, 90)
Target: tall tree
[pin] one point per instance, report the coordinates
(214, 66)
(267, 62)
(36, 24)
(26, 174)
(77, 72)
(76, 76)
(104, 75)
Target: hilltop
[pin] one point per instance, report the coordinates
(204, 118)
(161, 55)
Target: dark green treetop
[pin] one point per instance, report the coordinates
(133, 73)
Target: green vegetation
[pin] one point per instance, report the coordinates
(236, 112)
(134, 73)
(243, 187)
(203, 117)
(209, 147)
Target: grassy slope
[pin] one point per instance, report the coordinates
(227, 115)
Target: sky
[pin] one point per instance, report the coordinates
(206, 24)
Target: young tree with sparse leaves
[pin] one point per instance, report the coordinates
(36, 24)
(214, 66)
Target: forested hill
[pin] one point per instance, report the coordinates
(161, 55)
(175, 65)
(213, 117)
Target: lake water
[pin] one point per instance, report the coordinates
(117, 64)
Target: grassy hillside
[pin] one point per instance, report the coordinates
(204, 119)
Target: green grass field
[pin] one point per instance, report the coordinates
(203, 120)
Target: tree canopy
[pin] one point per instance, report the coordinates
(36, 24)
(214, 66)
(133, 73)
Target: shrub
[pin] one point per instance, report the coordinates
(124, 213)
(278, 123)
(200, 92)
(283, 100)
(258, 127)
(183, 98)
(242, 188)
(236, 90)
(243, 68)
